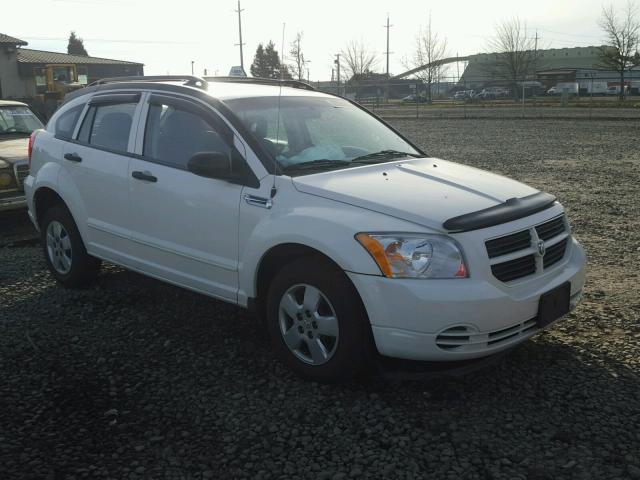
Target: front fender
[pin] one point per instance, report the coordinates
(324, 225)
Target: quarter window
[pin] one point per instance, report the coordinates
(174, 135)
(108, 126)
(66, 123)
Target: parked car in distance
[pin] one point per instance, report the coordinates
(615, 90)
(17, 122)
(594, 88)
(413, 98)
(492, 93)
(463, 94)
(351, 242)
(572, 89)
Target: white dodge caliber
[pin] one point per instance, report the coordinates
(349, 240)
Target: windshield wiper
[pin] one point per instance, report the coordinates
(316, 165)
(382, 155)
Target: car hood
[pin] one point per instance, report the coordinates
(425, 191)
(14, 149)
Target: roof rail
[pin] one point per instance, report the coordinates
(188, 80)
(263, 81)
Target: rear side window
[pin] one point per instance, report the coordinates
(66, 123)
(173, 135)
(108, 126)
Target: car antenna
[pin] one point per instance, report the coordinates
(274, 190)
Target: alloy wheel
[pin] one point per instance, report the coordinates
(59, 247)
(308, 324)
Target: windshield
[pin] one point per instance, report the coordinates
(319, 133)
(18, 119)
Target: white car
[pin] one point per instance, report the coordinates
(348, 239)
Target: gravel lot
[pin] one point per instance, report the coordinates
(136, 379)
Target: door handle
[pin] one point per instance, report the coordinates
(145, 176)
(258, 201)
(73, 157)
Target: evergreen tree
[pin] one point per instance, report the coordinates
(76, 45)
(259, 65)
(267, 64)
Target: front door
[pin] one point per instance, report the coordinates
(184, 227)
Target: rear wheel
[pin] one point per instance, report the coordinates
(64, 251)
(316, 320)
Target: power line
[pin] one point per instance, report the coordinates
(106, 40)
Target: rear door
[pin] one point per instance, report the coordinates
(184, 227)
(97, 160)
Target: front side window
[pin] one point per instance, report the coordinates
(108, 126)
(309, 133)
(174, 135)
(18, 119)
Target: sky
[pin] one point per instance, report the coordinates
(168, 35)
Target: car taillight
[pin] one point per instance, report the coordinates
(32, 139)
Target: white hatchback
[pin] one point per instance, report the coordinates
(348, 239)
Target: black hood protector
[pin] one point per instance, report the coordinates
(511, 209)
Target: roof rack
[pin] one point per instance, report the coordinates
(188, 80)
(262, 81)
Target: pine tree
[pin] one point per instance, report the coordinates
(266, 63)
(76, 45)
(259, 66)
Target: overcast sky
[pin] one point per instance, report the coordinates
(167, 35)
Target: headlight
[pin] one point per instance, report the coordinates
(6, 178)
(414, 256)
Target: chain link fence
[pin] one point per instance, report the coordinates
(587, 98)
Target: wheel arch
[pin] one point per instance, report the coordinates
(275, 259)
(45, 198)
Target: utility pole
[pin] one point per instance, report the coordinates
(192, 62)
(337, 62)
(240, 10)
(387, 53)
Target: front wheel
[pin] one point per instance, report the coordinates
(317, 322)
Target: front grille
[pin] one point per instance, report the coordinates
(22, 172)
(508, 244)
(554, 253)
(529, 262)
(514, 269)
(550, 229)
(466, 339)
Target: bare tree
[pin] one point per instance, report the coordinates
(516, 54)
(298, 63)
(357, 60)
(623, 40)
(431, 49)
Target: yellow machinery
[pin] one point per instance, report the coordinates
(56, 80)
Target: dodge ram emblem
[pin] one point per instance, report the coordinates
(541, 248)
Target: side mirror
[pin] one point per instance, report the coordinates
(211, 165)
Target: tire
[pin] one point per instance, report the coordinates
(64, 250)
(347, 341)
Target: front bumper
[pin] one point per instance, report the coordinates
(410, 317)
(13, 202)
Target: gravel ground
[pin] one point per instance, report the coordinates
(135, 379)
